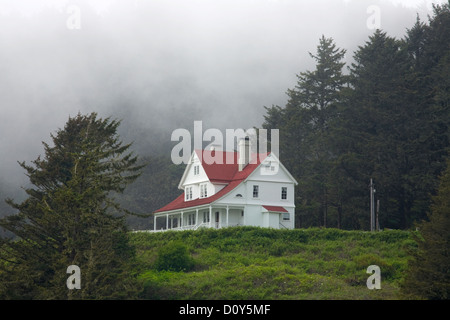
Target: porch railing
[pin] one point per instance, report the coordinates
(201, 225)
(188, 227)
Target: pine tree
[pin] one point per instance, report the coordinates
(382, 125)
(428, 104)
(320, 88)
(70, 217)
(304, 129)
(429, 273)
(388, 120)
(429, 270)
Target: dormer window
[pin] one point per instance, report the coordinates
(196, 170)
(188, 193)
(203, 190)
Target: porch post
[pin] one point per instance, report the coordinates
(167, 221)
(210, 216)
(227, 216)
(154, 222)
(182, 221)
(196, 216)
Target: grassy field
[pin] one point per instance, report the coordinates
(257, 263)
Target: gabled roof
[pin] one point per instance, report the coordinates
(217, 173)
(221, 171)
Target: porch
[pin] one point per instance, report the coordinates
(200, 217)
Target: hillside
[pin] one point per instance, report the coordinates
(256, 263)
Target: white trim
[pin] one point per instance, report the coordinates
(280, 164)
(186, 170)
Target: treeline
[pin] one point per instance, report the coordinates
(386, 119)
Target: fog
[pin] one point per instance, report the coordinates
(160, 65)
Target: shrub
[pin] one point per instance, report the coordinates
(277, 249)
(174, 257)
(254, 263)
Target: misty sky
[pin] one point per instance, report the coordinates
(161, 64)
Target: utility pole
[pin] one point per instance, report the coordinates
(378, 211)
(372, 205)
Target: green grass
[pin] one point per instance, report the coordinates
(258, 263)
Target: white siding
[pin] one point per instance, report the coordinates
(279, 174)
(192, 178)
(269, 193)
(218, 187)
(231, 198)
(253, 216)
(195, 179)
(271, 220)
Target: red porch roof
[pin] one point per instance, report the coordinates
(275, 209)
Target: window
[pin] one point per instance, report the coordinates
(191, 218)
(196, 170)
(205, 216)
(255, 191)
(286, 216)
(203, 190)
(188, 193)
(283, 193)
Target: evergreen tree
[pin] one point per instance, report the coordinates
(156, 187)
(429, 273)
(388, 120)
(320, 88)
(304, 130)
(376, 118)
(71, 218)
(391, 123)
(428, 99)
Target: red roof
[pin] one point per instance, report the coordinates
(217, 172)
(275, 209)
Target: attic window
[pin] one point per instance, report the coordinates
(196, 170)
(270, 167)
(239, 195)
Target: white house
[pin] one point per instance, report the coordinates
(222, 188)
